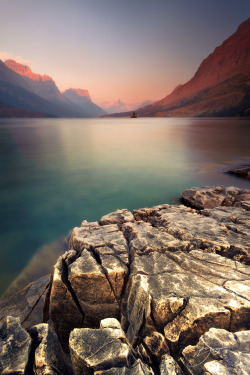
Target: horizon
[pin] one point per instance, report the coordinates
(121, 55)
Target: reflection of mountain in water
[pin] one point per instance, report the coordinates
(41, 264)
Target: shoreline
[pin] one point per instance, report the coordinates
(163, 279)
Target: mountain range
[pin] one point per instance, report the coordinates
(21, 89)
(119, 106)
(220, 87)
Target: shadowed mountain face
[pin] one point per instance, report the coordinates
(220, 87)
(21, 88)
(82, 99)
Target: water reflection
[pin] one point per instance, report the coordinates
(56, 172)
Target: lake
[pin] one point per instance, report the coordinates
(56, 172)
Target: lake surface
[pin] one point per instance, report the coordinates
(56, 172)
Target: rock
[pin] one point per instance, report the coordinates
(49, 356)
(138, 368)
(153, 348)
(210, 197)
(98, 349)
(169, 366)
(219, 352)
(15, 347)
(110, 323)
(186, 294)
(210, 234)
(243, 171)
(118, 217)
(237, 223)
(143, 238)
(28, 304)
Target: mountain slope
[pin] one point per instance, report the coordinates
(44, 87)
(220, 86)
(82, 99)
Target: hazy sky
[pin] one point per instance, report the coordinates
(128, 49)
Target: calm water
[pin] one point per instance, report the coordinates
(56, 172)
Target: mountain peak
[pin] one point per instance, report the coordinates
(80, 92)
(24, 70)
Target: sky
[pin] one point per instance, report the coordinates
(133, 50)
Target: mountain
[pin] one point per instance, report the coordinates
(14, 112)
(119, 106)
(220, 87)
(21, 88)
(82, 99)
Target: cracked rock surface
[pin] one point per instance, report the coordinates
(136, 290)
(219, 352)
(15, 347)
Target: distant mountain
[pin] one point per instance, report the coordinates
(14, 112)
(220, 87)
(21, 88)
(82, 99)
(119, 106)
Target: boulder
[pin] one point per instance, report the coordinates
(210, 197)
(118, 217)
(49, 357)
(219, 352)
(98, 349)
(15, 347)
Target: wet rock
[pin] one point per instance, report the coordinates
(243, 171)
(219, 352)
(49, 357)
(138, 368)
(210, 197)
(28, 304)
(98, 349)
(118, 217)
(15, 347)
(169, 366)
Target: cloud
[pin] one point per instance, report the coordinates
(6, 56)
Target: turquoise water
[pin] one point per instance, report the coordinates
(56, 172)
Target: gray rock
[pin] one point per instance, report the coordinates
(28, 304)
(15, 347)
(186, 294)
(210, 197)
(194, 231)
(169, 366)
(138, 368)
(118, 217)
(49, 356)
(98, 349)
(219, 352)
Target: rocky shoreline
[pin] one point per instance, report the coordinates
(162, 290)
